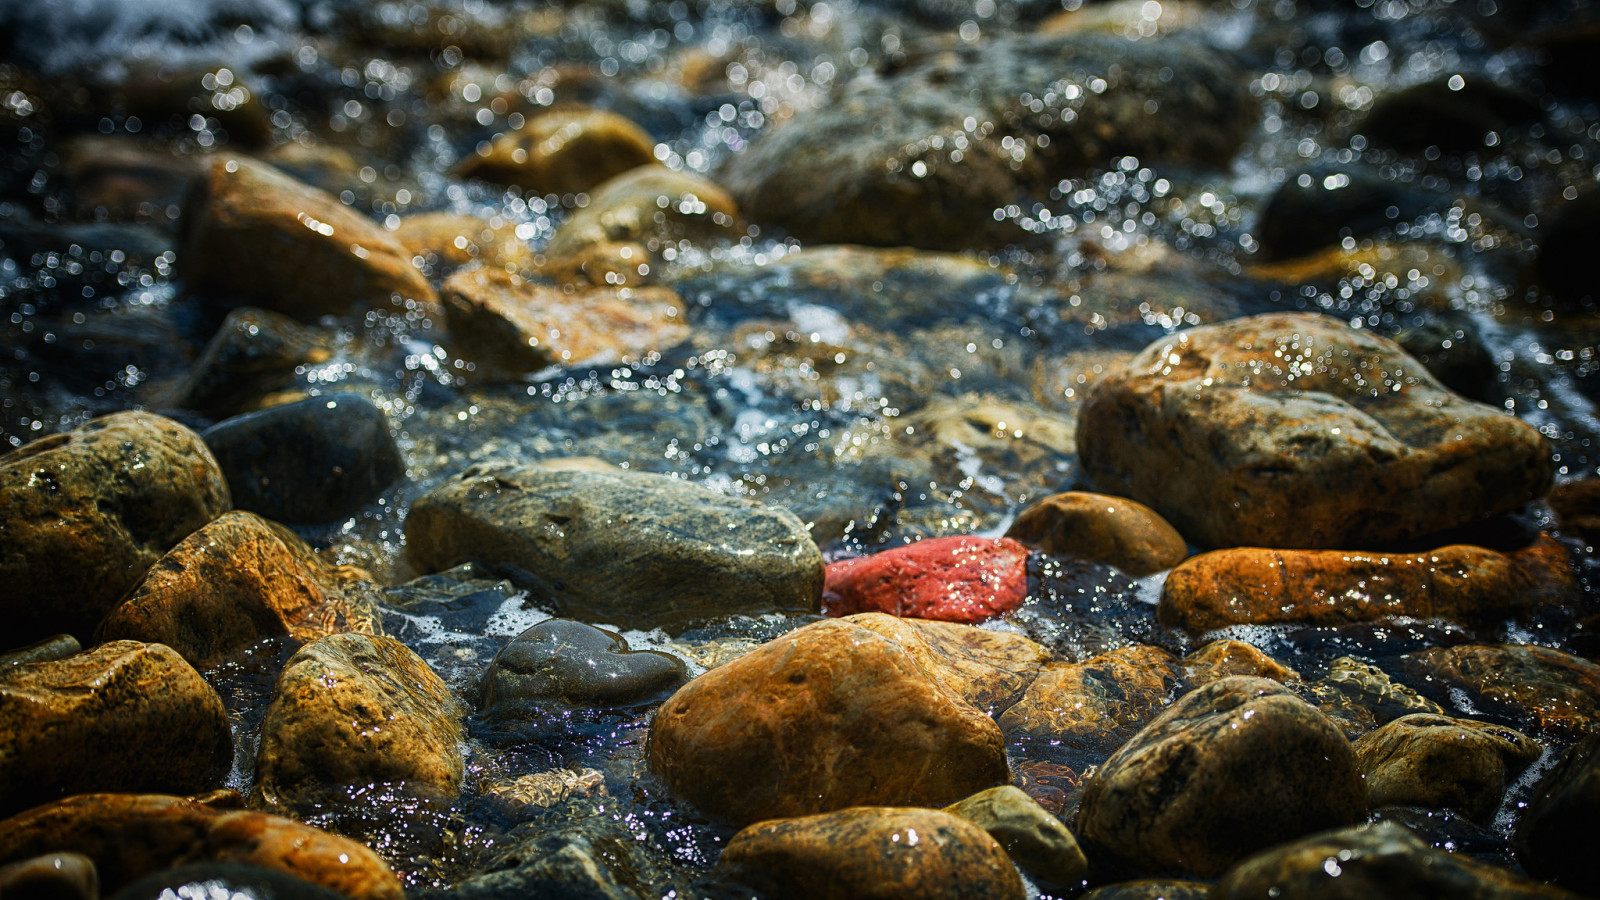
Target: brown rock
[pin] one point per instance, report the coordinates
(454, 239)
(1151, 889)
(124, 179)
(827, 716)
(1232, 767)
(1255, 586)
(254, 234)
(1225, 658)
(562, 151)
(612, 263)
(871, 852)
(509, 326)
(83, 514)
(129, 836)
(1359, 696)
(255, 353)
(353, 709)
(985, 668)
(1558, 691)
(1577, 506)
(235, 582)
(1294, 430)
(653, 206)
(1034, 839)
(1438, 762)
(124, 716)
(1095, 705)
(53, 876)
(1126, 534)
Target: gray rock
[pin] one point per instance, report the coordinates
(59, 646)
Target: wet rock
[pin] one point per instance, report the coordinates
(83, 514)
(1460, 583)
(1577, 507)
(508, 326)
(631, 549)
(255, 353)
(1456, 355)
(1556, 690)
(595, 860)
(962, 579)
(976, 128)
(57, 646)
(652, 206)
(129, 836)
(526, 794)
(353, 709)
(316, 460)
(1383, 860)
(1034, 839)
(54, 876)
(1359, 693)
(1294, 430)
(233, 583)
(171, 92)
(453, 239)
(624, 263)
(1092, 707)
(872, 852)
(562, 151)
(1232, 767)
(1126, 534)
(1224, 658)
(985, 668)
(1564, 239)
(253, 234)
(1455, 114)
(1152, 889)
(229, 880)
(1554, 840)
(125, 180)
(562, 666)
(1319, 207)
(124, 716)
(827, 716)
(1442, 763)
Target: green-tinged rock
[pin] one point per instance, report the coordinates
(1437, 762)
(1034, 839)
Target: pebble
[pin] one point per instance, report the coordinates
(562, 151)
(1034, 839)
(1126, 534)
(1438, 762)
(1557, 691)
(1555, 839)
(456, 239)
(963, 578)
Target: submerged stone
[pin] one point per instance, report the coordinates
(962, 579)
(1359, 693)
(594, 860)
(1556, 690)
(1123, 533)
(1442, 763)
(1224, 658)
(1090, 708)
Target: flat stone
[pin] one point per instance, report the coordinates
(1295, 430)
(962, 579)
(354, 709)
(233, 583)
(83, 514)
(628, 548)
(130, 836)
(1126, 534)
(870, 853)
(1224, 658)
(1460, 583)
(1555, 839)
(1231, 768)
(255, 353)
(1438, 762)
(652, 206)
(1555, 690)
(827, 716)
(253, 234)
(562, 151)
(1034, 839)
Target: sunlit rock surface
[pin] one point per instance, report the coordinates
(1442, 763)
(1126, 534)
(562, 151)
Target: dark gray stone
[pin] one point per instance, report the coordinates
(255, 352)
(586, 861)
(1556, 837)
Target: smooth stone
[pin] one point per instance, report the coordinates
(83, 514)
(562, 151)
(1558, 691)
(1034, 839)
(169, 91)
(507, 326)
(1384, 860)
(456, 239)
(630, 549)
(1451, 113)
(962, 578)
(1126, 534)
(251, 233)
(1439, 762)
(1555, 839)
(1151, 889)
(232, 584)
(653, 206)
(255, 353)
(1225, 658)
(621, 263)
(1364, 696)
(125, 179)
(224, 879)
(50, 649)
(1460, 583)
(354, 709)
(130, 836)
(870, 853)
(1229, 769)
(1323, 205)
(593, 860)
(54, 876)
(123, 716)
(1295, 430)
(828, 716)
(1092, 707)
(317, 460)
(1577, 507)
(985, 668)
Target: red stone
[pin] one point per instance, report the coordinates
(955, 579)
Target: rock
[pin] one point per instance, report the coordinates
(827, 716)
(562, 151)
(1383, 860)
(124, 716)
(872, 852)
(1125, 534)
(1034, 839)
(229, 880)
(57, 646)
(353, 709)
(1438, 762)
(1324, 204)
(129, 836)
(1460, 583)
(526, 794)
(454, 239)
(1232, 767)
(1360, 692)
(233, 583)
(1091, 708)
(1455, 354)
(653, 206)
(1577, 507)
(119, 179)
(54, 876)
(976, 128)
(962, 579)
(171, 92)
(561, 667)
(253, 234)
(1455, 114)
(625, 263)
(1223, 658)
(1556, 690)
(1554, 840)
(1151, 889)
(1294, 430)
(507, 326)
(317, 460)
(83, 514)
(594, 860)
(985, 668)
(627, 548)
(255, 353)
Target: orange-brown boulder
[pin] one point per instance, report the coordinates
(1124, 533)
